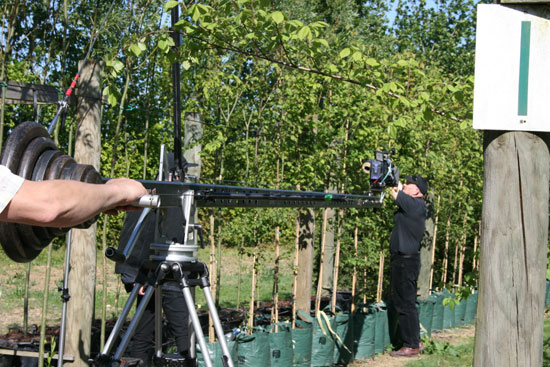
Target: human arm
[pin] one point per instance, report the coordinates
(395, 190)
(65, 203)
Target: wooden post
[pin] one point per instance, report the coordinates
(275, 308)
(192, 134)
(329, 249)
(82, 276)
(295, 272)
(380, 276)
(446, 254)
(305, 261)
(474, 256)
(426, 251)
(213, 273)
(321, 263)
(462, 249)
(336, 262)
(354, 277)
(434, 241)
(510, 314)
(253, 291)
(365, 280)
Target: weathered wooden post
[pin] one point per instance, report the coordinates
(512, 90)
(82, 276)
(328, 241)
(305, 260)
(426, 249)
(192, 149)
(192, 135)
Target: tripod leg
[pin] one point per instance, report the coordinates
(158, 322)
(120, 321)
(135, 320)
(196, 325)
(61, 349)
(228, 361)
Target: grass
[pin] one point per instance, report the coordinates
(461, 355)
(13, 276)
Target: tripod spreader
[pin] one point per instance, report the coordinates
(188, 272)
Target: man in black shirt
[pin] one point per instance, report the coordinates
(409, 227)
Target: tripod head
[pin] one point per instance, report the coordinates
(175, 230)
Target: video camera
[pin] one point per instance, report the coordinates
(381, 170)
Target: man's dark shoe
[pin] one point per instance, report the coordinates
(406, 352)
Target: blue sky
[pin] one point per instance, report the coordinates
(391, 13)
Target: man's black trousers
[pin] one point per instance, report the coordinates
(142, 345)
(404, 273)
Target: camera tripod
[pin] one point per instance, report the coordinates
(170, 262)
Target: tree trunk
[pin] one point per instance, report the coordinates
(12, 18)
(510, 314)
(80, 309)
(305, 260)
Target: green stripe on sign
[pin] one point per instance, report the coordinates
(524, 68)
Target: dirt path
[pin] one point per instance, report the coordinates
(451, 336)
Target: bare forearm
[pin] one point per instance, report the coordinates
(60, 203)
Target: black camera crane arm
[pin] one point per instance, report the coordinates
(169, 194)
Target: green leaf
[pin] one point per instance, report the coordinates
(321, 41)
(186, 65)
(278, 17)
(118, 65)
(465, 124)
(195, 12)
(356, 56)
(403, 63)
(333, 68)
(111, 98)
(169, 5)
(135, 49)
(345, 53)
(305, 32)
(372, 62)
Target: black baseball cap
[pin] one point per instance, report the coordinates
(419, 181)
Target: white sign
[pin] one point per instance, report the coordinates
(512, 70)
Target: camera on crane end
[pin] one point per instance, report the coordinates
(381, 170)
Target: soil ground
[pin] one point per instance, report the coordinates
(451, 336)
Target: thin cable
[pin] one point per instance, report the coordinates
(64, 103)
